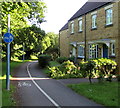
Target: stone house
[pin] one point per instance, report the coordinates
(92, 32)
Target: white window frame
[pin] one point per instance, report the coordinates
(94, 21)
(72, 27)
(93, 53)
(80, 24)
(113, 50)
(74, 51)
(109, 16)
(81, 51)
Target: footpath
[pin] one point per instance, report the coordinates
(35, 89)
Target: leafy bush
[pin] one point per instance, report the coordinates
(65, 70)
(87, 69)
(61, 59)
(105, 66)
(98, 68)
(44, 60)
(72, 59)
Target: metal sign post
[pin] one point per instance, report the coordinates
(8, 38)
(8, 59)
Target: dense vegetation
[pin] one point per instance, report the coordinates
(29, 38)
(97, 68)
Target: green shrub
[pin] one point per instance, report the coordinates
(44, 60)
(66, 70)
(61, 59)
(86, 69)
(98, 68)
(72, 59)
(105, 66)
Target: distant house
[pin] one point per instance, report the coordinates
(93, 32)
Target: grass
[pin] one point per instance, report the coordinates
(7, 96)
(105, 93)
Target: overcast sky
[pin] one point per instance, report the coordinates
(59, 12)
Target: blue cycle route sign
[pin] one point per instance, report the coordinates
(8, 37)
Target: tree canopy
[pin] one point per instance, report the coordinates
(20, 12)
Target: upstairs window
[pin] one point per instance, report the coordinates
(109, 16)
(80, 24)
(72, 27)
(94, 23)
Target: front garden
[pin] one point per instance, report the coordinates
(66, 68)
(104, 92)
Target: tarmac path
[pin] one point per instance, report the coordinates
(36, 89)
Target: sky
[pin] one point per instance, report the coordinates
(59, 12)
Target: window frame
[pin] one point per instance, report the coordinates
(79, 55)
(93, 51)
(113, 50)
(109, 15)
(80, 24)
(94, 21)
(72, 27)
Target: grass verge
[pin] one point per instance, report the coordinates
(105, 93)
(7, 96)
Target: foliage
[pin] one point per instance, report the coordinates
(98, 68)
(118, 77)
(61, 59)
(87, 69)
(105, 66)
(20, 12)
(105, 94)
(44, 60)
(72, 59)
(50, 45)
(66, 70)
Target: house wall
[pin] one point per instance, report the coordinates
(64, 43)
(118, 40)
(102, 32)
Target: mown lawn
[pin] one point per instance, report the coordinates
(105, 93)
(7, 96)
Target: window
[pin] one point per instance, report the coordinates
(109, 13)
(81, 51)
(93, 51)
(72, 27)
(113, 49)
(94, 24)
(74, 52)
(80, 25)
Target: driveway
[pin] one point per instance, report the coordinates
(35, 89)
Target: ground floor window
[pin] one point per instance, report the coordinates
(74, 52)
(113, 49)
(93, 51)
(81, 51)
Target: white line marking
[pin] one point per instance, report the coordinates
(41, 88)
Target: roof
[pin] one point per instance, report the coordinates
(87, 7)
(64, 27)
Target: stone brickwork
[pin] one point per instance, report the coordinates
(118, 40)
(102, 31)
(64, 44)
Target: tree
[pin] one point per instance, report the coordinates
(50, 44)
(20, 11)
